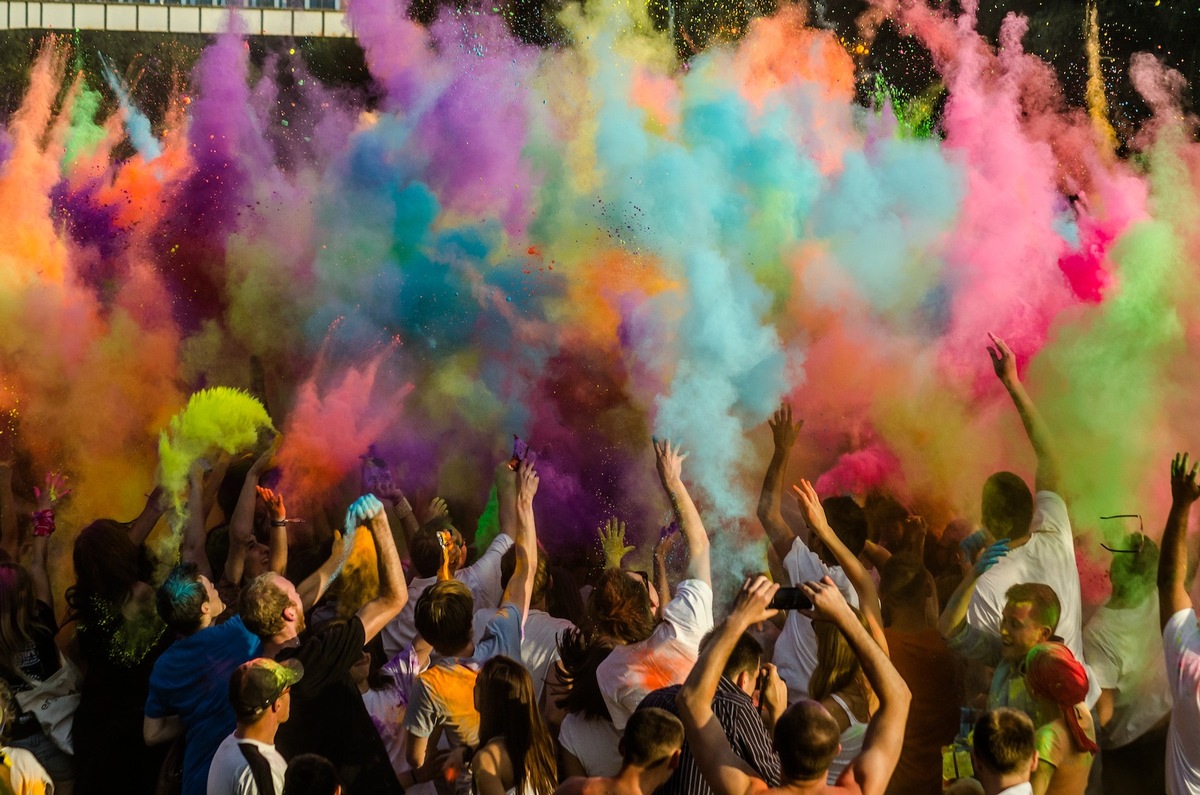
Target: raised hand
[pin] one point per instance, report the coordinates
(54, 489)
(263, 462)
(828, 602)
(753, 603)
(810, 506)
(527, 483)
(612, 543)
(1004, 362)
(274, 502)
(783, 431)
(1184, 490)
(437, 507)
(991, 556)
(666, 539)
(669, 461)
(363, 510)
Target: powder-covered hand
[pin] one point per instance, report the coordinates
(991, 556)
(612, 543)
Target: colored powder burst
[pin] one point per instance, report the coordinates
(597, 242)
(214, 420)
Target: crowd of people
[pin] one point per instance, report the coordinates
(871, 657)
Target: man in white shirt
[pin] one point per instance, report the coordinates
(482, 577)
(1041, 547)
(1181, 635)
(796, 648)
(246, 762)
(666, 657)
(1123, 642)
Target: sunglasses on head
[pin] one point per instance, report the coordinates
(1141, 533)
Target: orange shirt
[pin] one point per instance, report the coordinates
(934, 675)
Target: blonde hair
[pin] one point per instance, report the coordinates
(837, 665)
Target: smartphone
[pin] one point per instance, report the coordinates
(790, 599)
(520, 451)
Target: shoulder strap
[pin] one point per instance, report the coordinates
(260, 768)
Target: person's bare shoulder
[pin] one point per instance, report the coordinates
(575, 785)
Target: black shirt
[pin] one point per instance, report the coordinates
(328, 716)
(38, 661)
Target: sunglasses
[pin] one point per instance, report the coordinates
(1141, 533)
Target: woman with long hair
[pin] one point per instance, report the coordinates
(117, 637)
(838, 682)
(516, 752)
(28, 655)
(1066, 740)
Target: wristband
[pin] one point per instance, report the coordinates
(403, 508)
(279, 523)
(43, 523)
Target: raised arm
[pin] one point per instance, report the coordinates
(662, 582)
(860, 579)
(873, 767)
(241, 524)
(393, 594)
(141, 527)
(520, 585)
(724, 771)
(191, 550)
(1005, 365)
(955, 615)
(670, 473)
(277, 516)
(314, 585)
(1172, 560)
(770, 500)
(52, 491)
(377, 479)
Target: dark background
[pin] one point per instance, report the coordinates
(1168, 28)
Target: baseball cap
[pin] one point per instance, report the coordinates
(256, 685)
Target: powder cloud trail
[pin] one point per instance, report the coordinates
(596, 243)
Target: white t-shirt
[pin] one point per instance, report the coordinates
(230, 773)
(661, 660)
(539, 642)
(387, 705)
(796, 647)
(26, 773)
(594, 742)
(1181, 646)
(1048, 557)
(1125, 653)
(482, 577)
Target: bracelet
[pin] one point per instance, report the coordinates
(403, 508)
(279, 523)
(43, 523)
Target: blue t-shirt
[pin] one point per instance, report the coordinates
(191, 680)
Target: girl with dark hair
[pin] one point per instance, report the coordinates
(516, 752)
(28, 656)
(587, 738)
(117, 637)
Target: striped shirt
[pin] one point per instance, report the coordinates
(743, 727)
